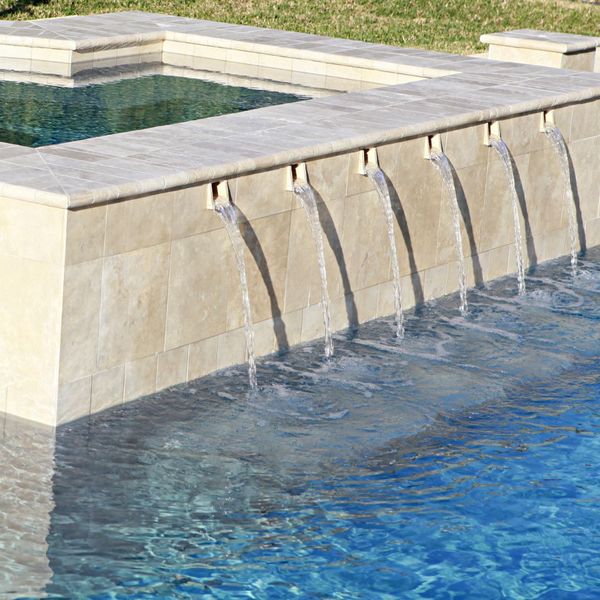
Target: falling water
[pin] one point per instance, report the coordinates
(229, 215)
(377, 176)
(558, 141)
(306, 195)
(499, 145)
(440, 160)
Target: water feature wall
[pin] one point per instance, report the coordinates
(151, 287)
(120, 276)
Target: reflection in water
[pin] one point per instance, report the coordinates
(456, 463)
(26, 501)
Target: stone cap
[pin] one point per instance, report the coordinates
(532, 39)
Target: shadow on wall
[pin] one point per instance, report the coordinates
(254, 246)
(468, 222)
(402, 223)
(577, 201)
(530, 242)
(333, 239)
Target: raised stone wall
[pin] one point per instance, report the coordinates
(151, 294)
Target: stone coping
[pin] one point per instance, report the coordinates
(461, 90)
(532, 39)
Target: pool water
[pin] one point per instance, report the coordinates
(461, 462)
(39, 115)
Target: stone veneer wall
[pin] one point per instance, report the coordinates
(109, 303)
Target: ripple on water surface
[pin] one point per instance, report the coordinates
(461, 461)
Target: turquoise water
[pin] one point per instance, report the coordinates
(461, 462)
(39, 115)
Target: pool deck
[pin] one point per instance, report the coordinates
(447, 91)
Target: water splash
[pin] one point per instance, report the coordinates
(377, 176)
(558, 141)
(441, 161)
(229, 215)
(502, 149)
(306, 195)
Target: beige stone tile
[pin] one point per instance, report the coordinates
(494, 263)
(592, 231)
(412, 286)
(208, 64)
(107, 388)
(140, 378)
(586, 167)
(172, 367)
(497, 222)
(203, 358)
(74, 400)
(34, 400)
(365, 243)
(526, 56)
(264, 337)
(435, 282)
(343, 312)
(203, 279)
(312, 323)
(262, 194)
(30, 317)
(309, 79)
(553, 244)
(418, 199)
(302, 263)
(579, 61)
(85, 234)
(231, 349)
(190, 214)
(544, 192)
(179, 60)
(80, 318)
(292, 322)
(275, 74)
(134, 298)
(586, 120)
(138, 223)
(465, 148)
(366, 303)
(241, 69)
(522, 133)
(267, 241)
(32, 231)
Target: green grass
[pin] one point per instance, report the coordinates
(449, 25)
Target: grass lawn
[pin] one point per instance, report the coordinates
(449, 25)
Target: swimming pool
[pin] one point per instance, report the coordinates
(459, 462)
(40, 115)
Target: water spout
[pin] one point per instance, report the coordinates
(502, 149)
(377, 176)
(229, 215)
(306, 195)
(558, 142)
(440, 160)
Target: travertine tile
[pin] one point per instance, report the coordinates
(85, 234)
(172, 367)
(74, 400)
(140, 378)
(203, 278)
(107, 388)
(138, 223)
(231, 348)
(32, 231)
(134, 299)
(80, 320)
(202, 357)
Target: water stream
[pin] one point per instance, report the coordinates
(502, 149)
(377, 176)
(440, 160)
(306, 195)
(558, 141)
(229, 215)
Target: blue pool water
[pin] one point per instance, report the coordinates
(39, 115)
(462, 462)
